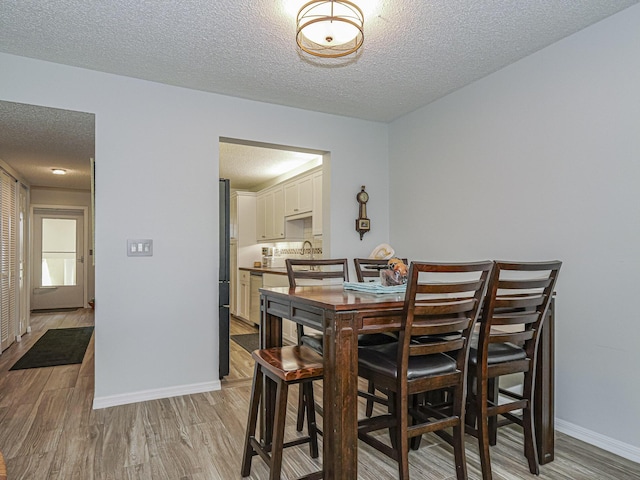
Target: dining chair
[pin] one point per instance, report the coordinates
(301, 272)
(286, 366)
(516, 305)
(368, 269)
(442, 301)
(322, 272)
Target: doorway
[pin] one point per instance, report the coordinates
(59, 253)
(252, 167)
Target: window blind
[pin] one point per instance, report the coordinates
(8, 254)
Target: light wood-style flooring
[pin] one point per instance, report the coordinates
(49, 431)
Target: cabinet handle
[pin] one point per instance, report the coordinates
(295, 209)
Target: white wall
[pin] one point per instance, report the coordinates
(541, 160)
(157, 178)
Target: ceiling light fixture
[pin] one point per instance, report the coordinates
(330, 28)
(59, 171)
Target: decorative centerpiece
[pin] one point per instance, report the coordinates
(395, 273)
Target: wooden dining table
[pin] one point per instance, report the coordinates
(341, 315)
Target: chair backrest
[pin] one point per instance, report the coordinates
(369, 268)
(517, 302)
(441, 306)
(327, 270)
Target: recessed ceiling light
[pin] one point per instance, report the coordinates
(59, 171)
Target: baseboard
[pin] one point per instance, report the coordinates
(609, 444)
(145, 395)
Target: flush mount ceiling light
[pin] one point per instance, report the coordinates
(59, 171)
(330, 28)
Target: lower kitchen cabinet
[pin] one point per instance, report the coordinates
(244, 294)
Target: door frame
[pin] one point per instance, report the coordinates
(85, 250)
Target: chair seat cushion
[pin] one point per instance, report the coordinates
(370, 339)
(315, 341)
(498, 353)
(383, 359)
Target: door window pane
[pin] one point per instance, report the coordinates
(58, 252)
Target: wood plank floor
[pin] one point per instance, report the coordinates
(49, 431)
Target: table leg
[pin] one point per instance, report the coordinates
(340, 401)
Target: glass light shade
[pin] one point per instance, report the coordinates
(330, 28)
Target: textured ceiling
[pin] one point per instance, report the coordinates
(33, 140)
(414, 51)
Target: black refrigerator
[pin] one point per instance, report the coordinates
(223, 288)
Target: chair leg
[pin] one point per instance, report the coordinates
(458, 434)
(530, 449)
(483, 429)
(402, 437)
(493, 397)
(301, 410)
(415, 441)
(312, 428)
(393, 431)
(278, 431)
(369, 408)
(256, 392)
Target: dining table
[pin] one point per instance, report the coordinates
(341, 315)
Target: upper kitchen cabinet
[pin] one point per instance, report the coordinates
(270, 221)
(316, 220)
(298, 197)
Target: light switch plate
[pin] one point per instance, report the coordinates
(139, 247)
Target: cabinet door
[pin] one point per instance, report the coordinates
(316, 220)
(261, 218)
(305, 194)
(291, 199)
(298, 196)
(244, 295)
(278, 213)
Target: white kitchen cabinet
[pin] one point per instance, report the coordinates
(261, 217)
(277, 217)
(243, 251)
(270, 220)
(270, 215)
(244, 295)
(316, 219)
(298, 196)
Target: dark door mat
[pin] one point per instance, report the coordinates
(55, 310)
(58, 346)
(248, 341)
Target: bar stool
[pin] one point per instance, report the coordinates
(3, 468)
(285, 366)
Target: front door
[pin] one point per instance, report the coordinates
(58, 258)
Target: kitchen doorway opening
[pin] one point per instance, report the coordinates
(253, 168)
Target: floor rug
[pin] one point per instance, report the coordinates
(248, 341)
(58, 346)
(54, 310)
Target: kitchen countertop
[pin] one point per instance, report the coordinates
(273, 270)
